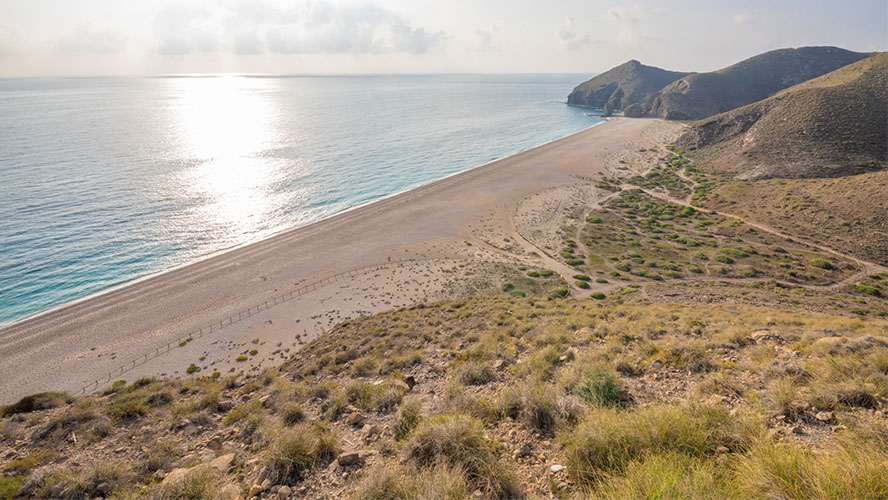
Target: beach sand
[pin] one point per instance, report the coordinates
(404, 249)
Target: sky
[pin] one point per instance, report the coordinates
(149, 37)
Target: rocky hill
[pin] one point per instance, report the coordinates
(830, 126)
(621, 86)
(810, 160)
(700, 95)
(491, 398)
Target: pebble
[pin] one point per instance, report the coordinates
(556, 468)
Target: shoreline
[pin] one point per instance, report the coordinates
(215, 253)
(71, 346)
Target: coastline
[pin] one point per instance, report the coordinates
(215, 253)
(68, 346)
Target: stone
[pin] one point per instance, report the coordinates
(523, 451)
(266, 485)
(176, 476)
(285, 491)
(825, 416)
(255, 490)
(351, 458)
(229, 491)
(762, 336)
(215, 444)
(207, 455)
(355, 419)
(371, 430)
(223, 463)
(556, 468)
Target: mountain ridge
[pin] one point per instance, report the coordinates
(622, 85)
(699, 95)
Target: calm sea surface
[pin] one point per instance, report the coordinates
(105, 180)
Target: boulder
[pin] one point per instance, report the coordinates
(351, 458)
(176, 476)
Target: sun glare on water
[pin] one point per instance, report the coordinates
(226, 126)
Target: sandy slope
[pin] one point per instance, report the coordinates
(72, 346)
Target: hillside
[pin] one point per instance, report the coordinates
(621, 86)
(826, 127)
(700, 95)
(491, 398)
(809, 160)
(722, 346)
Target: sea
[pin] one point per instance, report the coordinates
(107, 180)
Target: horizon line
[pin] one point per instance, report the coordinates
(292, 75)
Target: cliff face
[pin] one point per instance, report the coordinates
(700, 95)
(833, 125)
(621, 86)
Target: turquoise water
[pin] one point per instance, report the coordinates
(104, 180)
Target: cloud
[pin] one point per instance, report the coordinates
(485, 36)
(629, 34)
(89, 40)
(566, 34)
(181, 30)
(316, 27)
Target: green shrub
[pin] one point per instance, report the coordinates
(10, 486)
(734, 253)
(560, 293)
(295, 450)
(408, 417)
(599, 386)
(822, 263)
(724, 259)
(476, 374)
(126, 408)
(789, 471)
(867, 289)
(598, 296)
(292, 414)
(582, 284)
(666, 476)
(600, 280)
(441, 482)
(582, 277)
(36, 402)
(191, 368)
(608, 439)
(459, 441)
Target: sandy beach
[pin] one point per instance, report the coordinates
(447, 238)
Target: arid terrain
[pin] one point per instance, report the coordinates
(604, 336)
